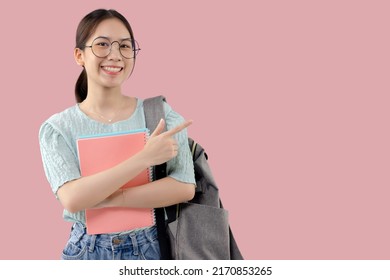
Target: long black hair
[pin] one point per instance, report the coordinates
(85, 29)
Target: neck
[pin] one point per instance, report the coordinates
(104, 99)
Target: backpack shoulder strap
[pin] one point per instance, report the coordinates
(154, 112)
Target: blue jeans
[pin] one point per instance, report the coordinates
(139, 245)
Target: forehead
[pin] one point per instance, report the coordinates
(112, 28)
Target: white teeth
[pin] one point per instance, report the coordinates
(112, 69)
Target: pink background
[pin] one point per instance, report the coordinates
(289, 98)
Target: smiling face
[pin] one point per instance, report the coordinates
(110, 71)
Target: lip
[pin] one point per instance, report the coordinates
(112, 69)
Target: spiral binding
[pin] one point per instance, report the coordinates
(150, 171)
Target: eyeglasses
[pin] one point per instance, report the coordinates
(101, 47)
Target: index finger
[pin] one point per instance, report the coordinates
(178, 128)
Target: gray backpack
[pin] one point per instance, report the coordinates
(198, 229)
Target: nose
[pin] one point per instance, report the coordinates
(115, 53)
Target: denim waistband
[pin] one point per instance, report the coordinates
(114, 241)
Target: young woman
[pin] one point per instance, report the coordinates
(106, 50)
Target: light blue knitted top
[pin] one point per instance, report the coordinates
(58, 135)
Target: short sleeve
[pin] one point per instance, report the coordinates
(59, 161)
(181, 167)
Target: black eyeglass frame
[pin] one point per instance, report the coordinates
(133, 42)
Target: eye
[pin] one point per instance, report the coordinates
(126, 45)
(102, 44)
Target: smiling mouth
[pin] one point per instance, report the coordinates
(112, 69)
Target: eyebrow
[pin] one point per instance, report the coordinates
(109, 38)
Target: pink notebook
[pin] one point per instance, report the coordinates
(99, 152)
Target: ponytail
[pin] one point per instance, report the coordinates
(81, 88)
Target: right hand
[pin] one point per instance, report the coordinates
(161, 146)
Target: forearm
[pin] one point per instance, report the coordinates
(88, 191)
(160, 193)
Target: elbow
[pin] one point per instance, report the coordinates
(189, 192)
(68, 201)
(70, 206)
(72, 209)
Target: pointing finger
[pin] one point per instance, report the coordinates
(178, 128)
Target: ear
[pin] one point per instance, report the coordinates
(79, 56)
